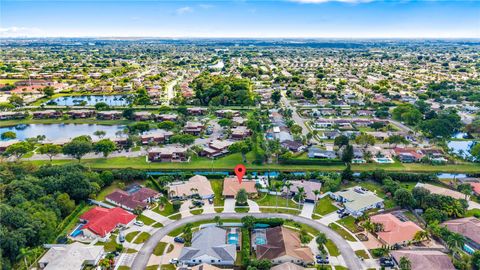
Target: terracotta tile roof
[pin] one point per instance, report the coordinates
(394, 230)
(231, 186)
(468, 227)
(476, 187)
(283, 242)
(425, 259)
(102, 220)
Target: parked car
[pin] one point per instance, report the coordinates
(198, 203)
(179, 240)
(344, 214)
(386, 262)
(121, 238)
(210, 201)
(340, 211)
(138, 223)
(173, 261)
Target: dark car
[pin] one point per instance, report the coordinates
(386, 262)
(210, 201)
(179, 240)
(318, 257)
(344, 214)
(197, 203)
(339, 211)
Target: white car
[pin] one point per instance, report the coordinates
(138, 223)
(173, 261)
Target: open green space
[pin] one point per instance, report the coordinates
(196, 211)
(160, 248)
(324, 206)
(230, 161)
(280, 210)
(342, 232)
(349, 223)
(166, 210)
(107, 190)
(265, 199)
(332, 248)
(146, 220)
(141, 238)
(362, 254)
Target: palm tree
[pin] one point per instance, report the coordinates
(24, 254)
(301, 195)
(316, 192)
(405, 264)
(288, 185)
(277, 186)
(455, 241)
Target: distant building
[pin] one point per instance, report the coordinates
(168, 154)
(73, 256)
(209, 245)
(357, 200)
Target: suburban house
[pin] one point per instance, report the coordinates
(46, 114)
(5, 144)
(240, 133)
(203, 266)
(135, 197)
(197, 184)
(395, 231)
(309, 187)
(231, 186)
(469, 227)
(357, 200)
(408, 155)
(225, 113)
(424, 259)
(12, 115)
(81, 113)
(142, 116)
(73, 256)
(287, 266)
(193, 128)
(443, 191)
(293, 146)
(476, 188)
(100, 222)
(216, 148)
(314, 152)
(168, 154)
(159, 136)
(109, 115)
(281, 245)
(197, 111)
(167, 117)
(209, 245)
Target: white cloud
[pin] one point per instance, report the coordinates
(18, 31)
(184, 10)
(326, 1)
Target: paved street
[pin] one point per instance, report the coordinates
(295, 116)
(351, 260)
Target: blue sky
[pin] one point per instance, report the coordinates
(222, 18)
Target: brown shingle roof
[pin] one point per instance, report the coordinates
(282, 241)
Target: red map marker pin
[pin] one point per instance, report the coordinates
(240, 171)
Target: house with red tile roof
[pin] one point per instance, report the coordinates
(231, 186)
(131, 200)
(424, 259)
(394, 230)
(476, 188)
(100, 222)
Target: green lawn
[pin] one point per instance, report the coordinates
(332, 248)
(160, 248)
(157, 225)
(301, 226)
(175, 217)
(346, 235)
(266, 199)
(339, 267)
(123, 267)
(217, 186)
(142, 238)
(166, 267)
(130, 250)
(349, 223)
(167, 209)
(107, 190)
(196, 211)
(9, 81)
(228, 162)
(473, 213)
(110, 245)
(324, 206)
(242, 209)
(280, 210)
(129, 237)
(362, 254)
(146, 220)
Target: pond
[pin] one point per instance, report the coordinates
(55, 132)
(461, 148)
(91, 100)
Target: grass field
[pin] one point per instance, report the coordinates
(362, 254)
(141, 238)
(349, 223)
(8, 81)
(217, 186)
(265, 199)
(332, 248)
(145, 220)
(280, 210)
(167, 209)
(175, 217)
(324, 206)
(346, 235)
(196, 211)
(242, 209)
(129, 237)
(230, 161)
(160, 248)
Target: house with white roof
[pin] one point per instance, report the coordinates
(357, 200)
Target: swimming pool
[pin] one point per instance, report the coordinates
(232, 238)
(77, 231)
(383, 160)
(260, 241)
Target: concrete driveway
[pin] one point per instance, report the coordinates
(254, 207)
(229, 206)
(307, 210)
(143, 256)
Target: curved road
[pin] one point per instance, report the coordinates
(141, 260)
